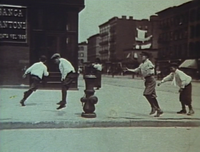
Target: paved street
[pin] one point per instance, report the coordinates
(101, 140)
(122, 122)
(120, 103)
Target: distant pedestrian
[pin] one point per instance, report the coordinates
(36, 71)
(98, 66)
(67, 77)
(147, 70)
(183, 81)
(79, 70)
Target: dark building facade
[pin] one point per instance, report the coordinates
(82, 53)
(33, 28)
(179, 37)
(123, 39)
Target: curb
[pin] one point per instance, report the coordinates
(91, 124)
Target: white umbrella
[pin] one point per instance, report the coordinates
(190, 64)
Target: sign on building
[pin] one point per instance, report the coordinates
(13, 24)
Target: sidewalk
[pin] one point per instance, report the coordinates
(118, 106)
(128, 76)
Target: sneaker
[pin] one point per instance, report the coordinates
(159, 112)
(191, 112)
(153, 111)
(61, 106)
(183, 111)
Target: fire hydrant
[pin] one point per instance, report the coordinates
(89, 100)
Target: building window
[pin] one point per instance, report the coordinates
(176, 21)
(81, 48)
(179, 55)
(185, 35)
(192, 31)
(191, 49)
(175, 35)
(171, 21)
(198, 14)
(81, 54)
(198, 30)
(181, 33)
(193, 15)
(171, 36)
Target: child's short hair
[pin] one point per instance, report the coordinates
(175, 65)
(43, 58)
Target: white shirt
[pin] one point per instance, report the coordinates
(178, 78)
(146, 68)
(39, 69)
(65, 67)
(97, 66)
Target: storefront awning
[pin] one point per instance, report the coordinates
(189, 64)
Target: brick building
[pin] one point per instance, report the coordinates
(179, 37)
(82, 53)
(30, 28)
(123, 39)
(93, 47)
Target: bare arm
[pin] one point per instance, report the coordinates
(167, 78)
(136, 70)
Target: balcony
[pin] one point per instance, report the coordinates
(103, 52)
(112, 39)
(103, 34)
(104, 43)
(112, 30)
(112, 48)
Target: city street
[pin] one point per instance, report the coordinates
(114, 48)
(122, 123)
(101, 140)
(120, 104)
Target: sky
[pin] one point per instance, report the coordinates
(97, 12)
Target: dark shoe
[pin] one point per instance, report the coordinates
(191, 112)
(59, 103)
(159, 112)
(22, 102)
(182, 112)
(153, 111)
(61, 106)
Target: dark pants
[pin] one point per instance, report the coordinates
(150, 92)
(185, 96)
(35, 81)
(66, 84)
(98, 79)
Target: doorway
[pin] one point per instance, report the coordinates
(47, 44)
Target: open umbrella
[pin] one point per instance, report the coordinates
(189, 64)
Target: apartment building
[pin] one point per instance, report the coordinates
(179, 37)
(82, 53)
(93, 47)
(123, 39)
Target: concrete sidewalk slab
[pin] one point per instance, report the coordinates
(118, 106)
